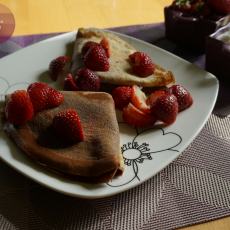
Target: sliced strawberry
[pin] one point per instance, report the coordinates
(43, 96)
(136, 118)
(95, 59)
(56, 66)
(67, 126)
(183, 96)
(19, 109)
(143, 65)
(121, 96)
(105, 44)
(87, 80)
(55, 98)
(87, 46)
(38, 93)
(165, 108)
(68, 84)
(138, 99)
(152, 97)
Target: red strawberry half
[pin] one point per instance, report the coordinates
(138, 99)
(56, 66)
(136, 118)
(68, 84)
(152, 97)
(19, 109)
(87, 80)
(143, 65)
(67, 126)
(96, 59)
(43, 96)
(88, 45)
(121, 96)
(105, 44)
(183, 96)
(165, 108)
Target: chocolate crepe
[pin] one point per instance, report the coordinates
(97, 159)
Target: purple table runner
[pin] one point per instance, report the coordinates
(194, 188)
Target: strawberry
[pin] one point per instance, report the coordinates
(121, 96)
(138, 99)
(136, 118)
(19, 109)
(88, 45)
(95, 59)
(43, 96)
(87, 80)
(183, 96)
(68, 84)
(220, 6)
(206, 12)
(38, 93)
(67, 126)
(152, 97)
(165, 108)
(143, 65)
(105, 44)
(181, 5)
(56, 66)
(55, 98)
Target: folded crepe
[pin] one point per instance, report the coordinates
(120, 72)
(97, 159)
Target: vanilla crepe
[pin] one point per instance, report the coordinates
(97, 159)
(120, 72)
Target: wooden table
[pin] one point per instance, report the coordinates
(42, 16)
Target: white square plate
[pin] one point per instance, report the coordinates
(145, 151)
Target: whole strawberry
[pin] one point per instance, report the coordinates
(143, 65)
(68, 84)
(67, 126)
(96, 59)
(165, 108)
(19, 109)
(43, 96)
(184, 98)
(87, 80)
(136, 118)
(56, 66)
(121, 96)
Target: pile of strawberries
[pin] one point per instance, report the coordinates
(95, 56)
(141, 112)
(209, 9)
(39, 96)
